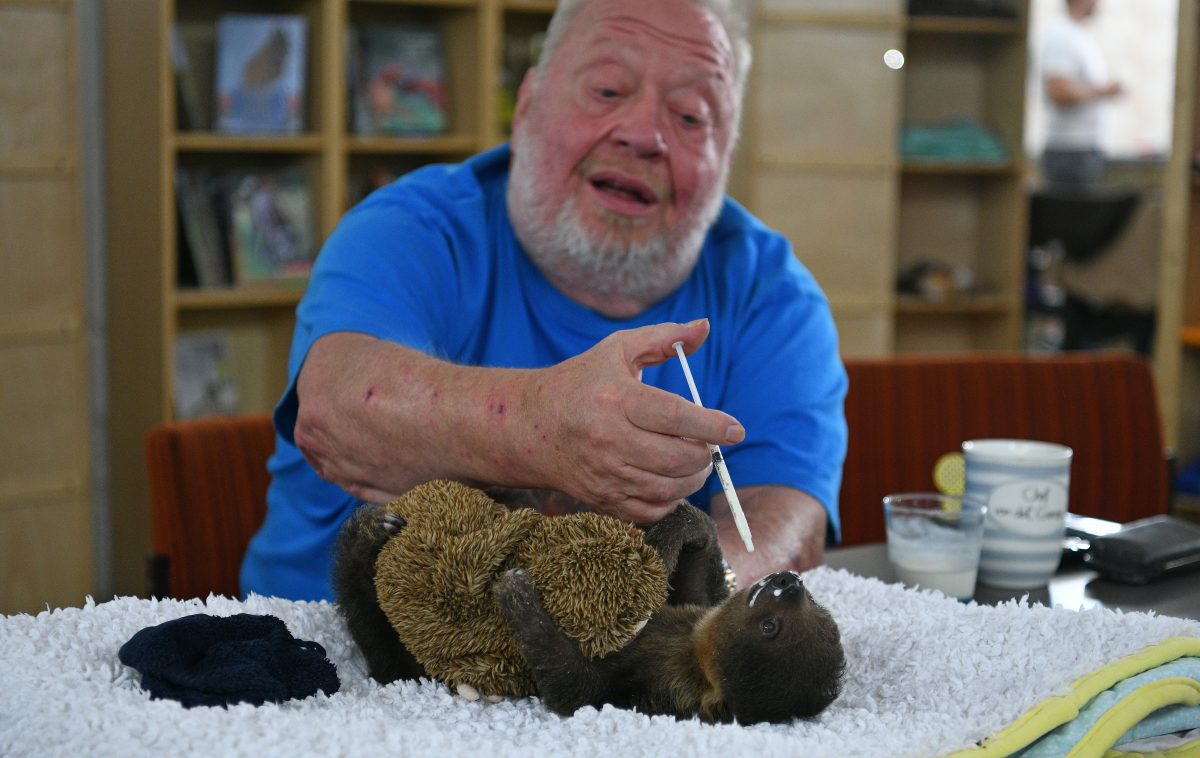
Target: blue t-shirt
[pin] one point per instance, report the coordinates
(431, 261)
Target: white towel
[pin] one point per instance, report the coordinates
(925, 676)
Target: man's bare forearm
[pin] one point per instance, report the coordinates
(788, 527)
(378, 418)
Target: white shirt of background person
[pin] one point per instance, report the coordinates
(1070, 51)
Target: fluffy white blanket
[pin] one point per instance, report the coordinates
(925, 676)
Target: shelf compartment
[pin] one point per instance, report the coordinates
(971, 220)
(196, 22)
(259, 348)
(859, 101)
(986, 76)
(461, 29)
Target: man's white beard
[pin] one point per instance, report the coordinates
(603, 263)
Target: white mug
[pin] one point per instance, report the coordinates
(1024, 484)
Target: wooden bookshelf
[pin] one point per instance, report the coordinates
(856, 210)
(148, 308)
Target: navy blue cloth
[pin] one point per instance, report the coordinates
(212, 660)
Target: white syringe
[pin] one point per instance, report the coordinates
(735, 505)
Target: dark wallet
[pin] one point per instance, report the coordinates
(1146, 549)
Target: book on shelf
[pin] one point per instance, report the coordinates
(400, 88)
(521, 51)
(261, 73)
(271, 226)
(193, 46)
(203, 238)
(202, 379)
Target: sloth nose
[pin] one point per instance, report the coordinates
(784, 583)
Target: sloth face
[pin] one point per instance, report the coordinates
(781, 656)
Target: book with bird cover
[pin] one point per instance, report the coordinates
(261, 73)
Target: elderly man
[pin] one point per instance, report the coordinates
(510, 320)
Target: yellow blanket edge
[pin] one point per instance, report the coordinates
(1134, 707)
(1059, 709)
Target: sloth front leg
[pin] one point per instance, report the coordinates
(358, 544)
(686, 540)
(566, 680)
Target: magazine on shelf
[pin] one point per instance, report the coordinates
(401, 87)
(193, 46)
(202, 240)
(261, 73)
(271, 226)
(202, 382)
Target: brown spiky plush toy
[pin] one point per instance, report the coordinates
(596, 578)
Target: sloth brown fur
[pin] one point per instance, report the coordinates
(767, 653)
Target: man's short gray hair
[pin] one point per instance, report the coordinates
(730, 13)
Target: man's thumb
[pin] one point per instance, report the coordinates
(656, 343)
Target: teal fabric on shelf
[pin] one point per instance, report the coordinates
(951, 142)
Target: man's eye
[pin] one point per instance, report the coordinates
(690, 120)
(606, 93)
(769, 627)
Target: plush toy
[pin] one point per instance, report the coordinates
(595, 575)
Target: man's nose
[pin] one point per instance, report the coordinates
(640, 128)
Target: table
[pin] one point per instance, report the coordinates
(1075, 586)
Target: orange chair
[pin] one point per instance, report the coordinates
(905, 411)
(208, 495)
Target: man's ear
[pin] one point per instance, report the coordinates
(524, 98)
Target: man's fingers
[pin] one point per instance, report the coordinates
(643, 495)
(640, 512)
(663, 412)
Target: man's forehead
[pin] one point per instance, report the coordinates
(700, 37)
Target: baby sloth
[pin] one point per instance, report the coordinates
(767, 653)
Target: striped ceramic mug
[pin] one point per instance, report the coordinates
(1024, 484)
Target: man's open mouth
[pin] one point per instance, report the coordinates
(624, 188)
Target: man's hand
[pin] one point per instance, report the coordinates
(378, 419)
(788, 527)
(630, 450)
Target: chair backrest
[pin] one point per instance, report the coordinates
(905, 411)
(208, 495)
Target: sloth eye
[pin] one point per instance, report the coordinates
(769, 627)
